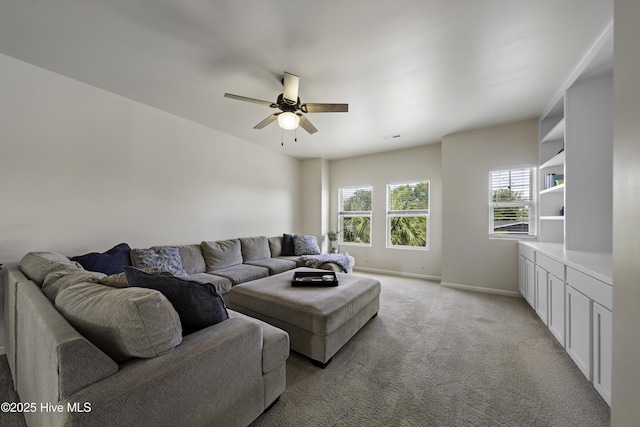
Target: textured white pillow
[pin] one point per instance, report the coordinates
(305, 245)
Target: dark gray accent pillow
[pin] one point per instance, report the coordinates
(109, 262)
(162, 257)
(287, 245)
(198, 304)
(305, 245)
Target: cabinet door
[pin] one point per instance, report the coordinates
(522, 276)
(602, 331)
(556, 307)
(542, 292)
(578, 323)
(530, 282)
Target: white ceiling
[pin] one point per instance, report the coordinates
(419, 68)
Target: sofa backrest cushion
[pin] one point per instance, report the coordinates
(192, 259)
(275, 246)
(61, 279)
(36, 265)
(162, 257)
(254, 248)
(221, 254)
(123, 323)
(109, 262)
(305, 245)
(198, 304)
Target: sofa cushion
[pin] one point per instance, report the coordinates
(288, 248)
(275, 343)
(109, 262)
(56, 281)
(115, 280)
(221, 254)
(305, 245)
(243, 273)
(275, 265)
(192, 259)
(222, 284)
(124, 323)
(198, 304)
(275, 246)
(162, 257)
(36, 265)
(254, 248)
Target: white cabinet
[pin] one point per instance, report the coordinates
(602, 349)
(556, 308)
(527, 279)
(596, 323)
(578, 321)
(574, 302)
(542, 294)
(550, 294)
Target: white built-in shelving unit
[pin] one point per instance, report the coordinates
(566, 276)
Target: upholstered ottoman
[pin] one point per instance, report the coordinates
(319, 320)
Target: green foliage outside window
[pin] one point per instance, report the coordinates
(405, 202)
(356, 229)
(355, 215)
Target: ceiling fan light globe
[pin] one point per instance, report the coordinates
(288, 120)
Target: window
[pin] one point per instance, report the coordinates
(408, 215)
(512, 202)
(354, 216)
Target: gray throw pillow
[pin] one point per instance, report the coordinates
(305, 245)
(56, 281)
(123, 323)
(221, 254)
(198, 304)
(162, 257)
(254, 248)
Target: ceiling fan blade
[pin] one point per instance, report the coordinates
(325, 108)
(255, 101)
(291, 83)
(270, 119)
(306, 124)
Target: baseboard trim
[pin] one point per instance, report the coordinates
(397, 273)
(2, 350)
(480, 289)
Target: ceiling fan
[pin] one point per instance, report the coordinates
(290, 114)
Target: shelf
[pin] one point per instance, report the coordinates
(554, 134)
(552, 218)
(557, 160)
(554, 189)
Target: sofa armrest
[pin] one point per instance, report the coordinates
(52, 359)
(213, 378)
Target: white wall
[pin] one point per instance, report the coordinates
(378, 170)
(626, 206)
(82, 169)
(314, 198)
(469, 257)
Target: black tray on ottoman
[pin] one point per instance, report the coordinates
(314, 278)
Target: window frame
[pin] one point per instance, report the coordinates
(531, 204)
(354, 214)
(418, 213)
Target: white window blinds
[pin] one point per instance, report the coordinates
(512, 202)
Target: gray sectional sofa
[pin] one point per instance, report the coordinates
(113, 355)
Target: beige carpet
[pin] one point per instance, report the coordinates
(432, 357)
(441, 357)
